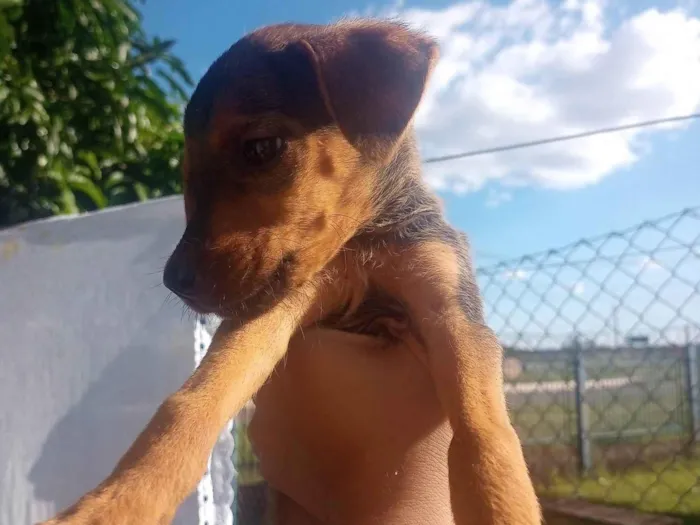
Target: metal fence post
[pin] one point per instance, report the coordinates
(693, 392)
(582, 424)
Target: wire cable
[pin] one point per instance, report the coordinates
(561, 138)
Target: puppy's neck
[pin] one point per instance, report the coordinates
(406, 209)
(407, 213)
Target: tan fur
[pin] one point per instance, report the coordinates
(336, 221)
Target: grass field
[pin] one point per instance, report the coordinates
(668, 487)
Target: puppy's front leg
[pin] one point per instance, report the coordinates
(166, 461)
(489, 480)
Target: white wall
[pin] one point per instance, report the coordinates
(89, 347)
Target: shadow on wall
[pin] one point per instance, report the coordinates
(84, 446)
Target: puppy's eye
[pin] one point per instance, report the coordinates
(258, 152)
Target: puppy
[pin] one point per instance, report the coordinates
(305, 204)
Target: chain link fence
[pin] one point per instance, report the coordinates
(602, 340)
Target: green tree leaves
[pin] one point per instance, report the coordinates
(90, 108)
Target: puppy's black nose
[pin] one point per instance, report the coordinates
(179, 275)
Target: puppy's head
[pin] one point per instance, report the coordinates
(286, 136)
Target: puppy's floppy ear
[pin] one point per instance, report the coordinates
(372, 76)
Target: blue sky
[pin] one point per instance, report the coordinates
(522, 70)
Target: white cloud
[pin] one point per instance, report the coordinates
(532, 69)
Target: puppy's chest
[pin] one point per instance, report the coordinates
(369, 308)
(376, 314)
